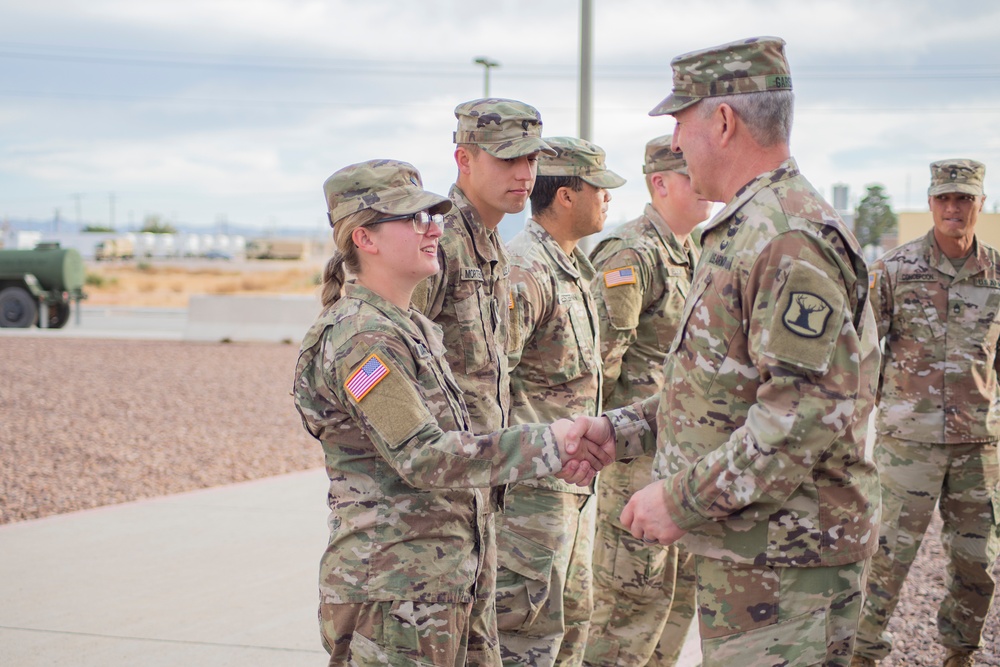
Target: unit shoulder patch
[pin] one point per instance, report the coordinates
(807, 314)
(806, 318)
(387, 397)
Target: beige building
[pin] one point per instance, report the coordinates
(914, 224)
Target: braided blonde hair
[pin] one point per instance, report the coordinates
(345, 253)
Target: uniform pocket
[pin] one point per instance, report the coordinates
(797, 641)
(472, 326)
(365, 653)
(523, 575)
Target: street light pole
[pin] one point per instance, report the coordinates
(586, 39)
(487, 64)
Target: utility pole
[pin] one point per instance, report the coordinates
(111, 205)
(79, 214)
(487, 64)
(586, 37)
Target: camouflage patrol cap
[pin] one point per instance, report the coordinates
(386, 186)
(965, 176)
(661, 157)
(503, 128)
(578, 157)
(745, 66)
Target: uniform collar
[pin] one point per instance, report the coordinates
(678, 252)
(577, 267)
(483, 240)
(936, 259)
(398, 316)
(785, 171)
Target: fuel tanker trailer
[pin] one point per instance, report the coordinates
(37, 286)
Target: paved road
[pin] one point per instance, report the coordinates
(116, 322)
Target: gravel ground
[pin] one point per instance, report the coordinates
(85, 423)
(914, 626)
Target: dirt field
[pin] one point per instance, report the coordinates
(155, 284)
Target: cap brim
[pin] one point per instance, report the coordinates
(414, 203)
(519, 147)
(683, 169)
(962, 188)
(606, 179)
(673, 104)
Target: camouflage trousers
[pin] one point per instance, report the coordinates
(760, 616)
(962, 480)
(545, 542)
(644, 595)
(403, 633)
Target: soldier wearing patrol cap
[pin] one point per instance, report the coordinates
(411, 542)
(545, 534)
(760, 428)
(643, 593)
(937, 303)
(498, 144)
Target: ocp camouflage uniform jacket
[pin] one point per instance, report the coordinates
(468, 297)
(941, 329)
(409, 515)
(555, 370)
(639, 319)
(769, 386)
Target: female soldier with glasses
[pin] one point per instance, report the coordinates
(411, 534)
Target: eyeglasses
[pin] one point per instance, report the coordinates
(421, 221)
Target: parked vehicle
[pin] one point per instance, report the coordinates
(122, 248)
(276, 249)
(37, 286)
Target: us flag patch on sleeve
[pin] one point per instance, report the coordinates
(366, 377)
(622, 276)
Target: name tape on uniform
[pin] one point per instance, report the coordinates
(363, 380)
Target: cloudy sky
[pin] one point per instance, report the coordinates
(212, 111)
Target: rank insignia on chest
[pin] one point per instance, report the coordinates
(807, 314)
(618, 277)
(872, 279)
(364, 379)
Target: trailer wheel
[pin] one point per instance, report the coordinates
(58, 315)
(17, 308)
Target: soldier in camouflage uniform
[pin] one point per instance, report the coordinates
(411, 537)
(545, 534)
(497, 154)
(643, 594)
(768, 387)
(937, 302)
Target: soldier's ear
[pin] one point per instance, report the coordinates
(564, 197)
(658, 183)
(364, 241)
(725, 119)
(463, 159)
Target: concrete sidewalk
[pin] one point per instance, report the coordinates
(218, 577)
(223, 576)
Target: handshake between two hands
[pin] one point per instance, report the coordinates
(586, 445)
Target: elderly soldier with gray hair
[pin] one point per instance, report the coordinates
(937, 302)
(643, 593)
(760, 461)
(545, 535)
